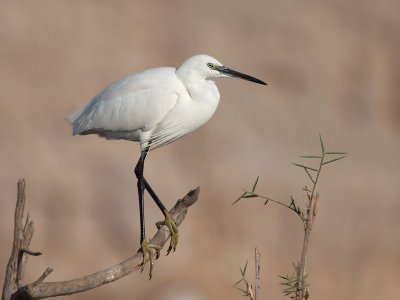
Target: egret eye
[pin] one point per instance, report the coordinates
(211, 66)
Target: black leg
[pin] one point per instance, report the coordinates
(154, 196)
(145, 248)
(140, 185)
(143, 184)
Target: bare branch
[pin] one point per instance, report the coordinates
(22, 238)
(257, 265)
(30, 252)
(43, 276)
(39, 289)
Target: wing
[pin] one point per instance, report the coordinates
(132, 103)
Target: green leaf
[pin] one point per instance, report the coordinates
(240, 197)
(250, 196)
(292, 280)
(238, 282)
(242, 290)
(292, 203)
(284, 283)
(322, 144)
(305, 167)
(309, 175)
(245, 267)
(332, 160)
(254, 186)
(339, 153)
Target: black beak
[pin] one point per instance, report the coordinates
(233, 73)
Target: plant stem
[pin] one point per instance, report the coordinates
(306, 241)
(311, 212)
(257, 262)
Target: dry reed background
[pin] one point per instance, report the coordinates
(333, 67)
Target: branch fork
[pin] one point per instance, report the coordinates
(13, 289)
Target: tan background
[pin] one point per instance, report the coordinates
(333, 67)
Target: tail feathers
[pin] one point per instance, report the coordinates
(76, 119)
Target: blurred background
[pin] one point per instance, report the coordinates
(333, 67)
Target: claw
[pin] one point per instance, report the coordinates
(147, 248)
(173, 229)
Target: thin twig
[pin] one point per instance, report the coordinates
(30, 252)
(257, 265)
(43, 276)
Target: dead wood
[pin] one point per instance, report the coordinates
(40, 289)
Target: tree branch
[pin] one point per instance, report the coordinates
(40, 289)
(22, 238)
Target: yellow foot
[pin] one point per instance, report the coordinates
(173, 229)
(147, 249)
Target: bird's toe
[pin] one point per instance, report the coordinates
(147, 249)
(173, 229)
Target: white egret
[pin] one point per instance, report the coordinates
(155, 107)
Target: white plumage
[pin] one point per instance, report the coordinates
(160, 104)
(155, 107)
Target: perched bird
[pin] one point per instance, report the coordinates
(155, 107)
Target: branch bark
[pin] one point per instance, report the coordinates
(39, 289)
(22, 238)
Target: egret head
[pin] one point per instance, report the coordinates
(205, 66)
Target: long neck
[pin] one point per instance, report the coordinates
(189, 76)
